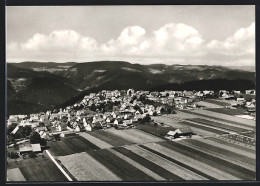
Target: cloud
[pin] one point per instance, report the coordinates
(127, 41)
(241, 43)
(177, 39)
(171, 43)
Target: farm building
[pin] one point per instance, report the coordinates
(25, 148)
(185, 131)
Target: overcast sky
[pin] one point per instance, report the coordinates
(212, 35)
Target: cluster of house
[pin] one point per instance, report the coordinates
(124, 112)
(250, 104)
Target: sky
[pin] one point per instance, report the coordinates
(176, 34)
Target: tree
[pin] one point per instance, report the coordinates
(136, 107)
(93, 107)
(10, 128)
(13, 155)
(147, 118)
(10, 139)
(162, 110)
(27, 130)
(41, 124)
(35, 137)
(43, 142)
(57, 137)
(32, 155)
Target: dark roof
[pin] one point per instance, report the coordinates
(185, 130)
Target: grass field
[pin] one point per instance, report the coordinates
(215, 142)
(241, 139)
(188, 162)
(150, 165)
(110, 138)
(208, 104)
(217, 117)
(230, 143)
(225, 117)
(229, 111)
(71, 145)
(38, 170)
(136, 164)
(212, 130)
(217, 102)
(15, 175)
(119, 167)
(101, 144)
(223, 165)
(220, 151)
(85, 168)
(160, 165)
(218, 125)
(250, 134)
(135, 135)
(155, 130)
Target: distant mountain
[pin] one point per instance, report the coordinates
(215, 84)
(51, 84)
(46, 91)
(122, 75)
(33, 64)
(23, 107)
(55, 68)
(243, 68)
(35, 90)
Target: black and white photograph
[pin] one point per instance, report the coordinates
(136, 93)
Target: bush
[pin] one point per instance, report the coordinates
(43, 142)
(16, 147)
(57, 137)
(147, 118)
(32, 155)
(13, 155)
(35, 137)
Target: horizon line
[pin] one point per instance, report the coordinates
(132, 63)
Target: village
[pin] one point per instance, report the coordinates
(118, 109)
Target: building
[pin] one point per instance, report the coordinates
(26, 148)
(181, 132)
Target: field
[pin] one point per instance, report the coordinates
(135, 136)
(119, 167)
(110, 138)
(204, 128)
(218, 125)
(208, 104)
(228, 111)
(222, 153)
(222, 118)
(71, 145)
(34, 170)
(223, 165)
(15, 175)
(224, 149)
(218, 102)
(155, 130)
(85, 168)
(135, 155)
